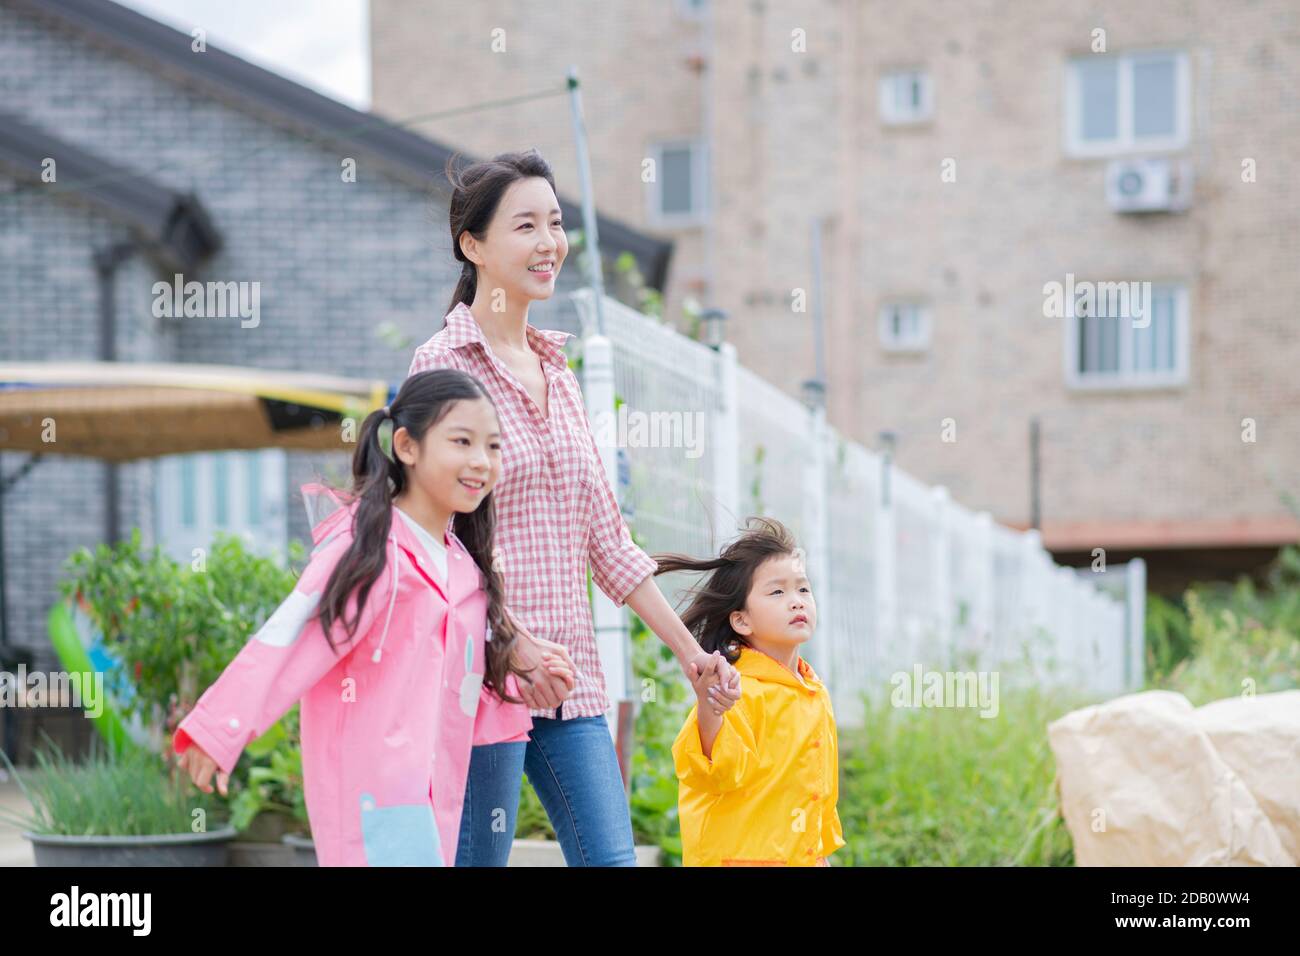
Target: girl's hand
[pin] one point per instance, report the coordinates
(549, 673)
(716, 683)
(196, 762)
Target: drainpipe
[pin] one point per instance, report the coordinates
(107, 261)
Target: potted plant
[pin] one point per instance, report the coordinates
(117, 809)
(171, 630)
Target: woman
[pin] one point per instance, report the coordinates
(555, 515)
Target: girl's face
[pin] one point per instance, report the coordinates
(524, 246)
(779, 611)
(459, 461)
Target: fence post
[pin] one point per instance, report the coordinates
(726, 449)
(816, 538)
(941, 575)
(611, 631)
(981, 611)
(886, 574)
(1135, 606)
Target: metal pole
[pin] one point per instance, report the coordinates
(594, 275)
(819, 344)
(1035, 468)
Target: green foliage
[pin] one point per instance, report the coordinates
(109, 794)
(175, 628)
(946, 787)
(1229, 639)
(664, 704)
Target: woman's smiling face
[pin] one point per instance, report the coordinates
(524, 246)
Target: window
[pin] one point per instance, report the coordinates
(1127, 103)
(677, 194)
(905, 327)
(906, 97)
(1109, 346)
(237, 492)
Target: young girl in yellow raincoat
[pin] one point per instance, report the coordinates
(757, 785)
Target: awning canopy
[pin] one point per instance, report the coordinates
(122, 411)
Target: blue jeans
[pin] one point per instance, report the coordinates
(574, 769)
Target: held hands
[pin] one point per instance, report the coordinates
(549, 671)
(196, 762)
(715, 681)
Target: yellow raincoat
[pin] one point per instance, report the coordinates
(767, 797)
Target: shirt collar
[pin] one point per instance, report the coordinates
(462, 330)
(755, 663)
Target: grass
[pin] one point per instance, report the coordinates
(947, 787)
(106, 795)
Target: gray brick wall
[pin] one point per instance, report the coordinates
(333, 259)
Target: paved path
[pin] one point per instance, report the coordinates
(14, 850)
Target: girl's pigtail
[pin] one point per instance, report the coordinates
(377, 477)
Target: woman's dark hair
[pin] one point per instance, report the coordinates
(421, 403)
(475, 195)
(708, 616)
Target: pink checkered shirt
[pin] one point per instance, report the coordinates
(555, 509)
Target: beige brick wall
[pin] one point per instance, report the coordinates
(639, 86)
(797, 135)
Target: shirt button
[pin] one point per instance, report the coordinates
(457, 553)
(234, 723)
(817, 743)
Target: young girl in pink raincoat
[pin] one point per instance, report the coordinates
(387, 639)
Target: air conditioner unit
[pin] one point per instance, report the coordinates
(1149, 185)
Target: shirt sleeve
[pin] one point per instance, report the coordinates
(428, 356)
(617, 564)
(734, 761)
(281, 662)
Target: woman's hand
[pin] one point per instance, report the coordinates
(715, 681)
(196, 762)
(549, 673)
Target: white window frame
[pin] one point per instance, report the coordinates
(1126, 378)
(887, 99)
(1125, 142)
(173, 475)
(699, 185)
(920, 342)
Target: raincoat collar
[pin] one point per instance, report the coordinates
(331, 511)
(756, 664)
(463, 329)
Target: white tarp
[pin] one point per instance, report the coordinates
(1149, 780)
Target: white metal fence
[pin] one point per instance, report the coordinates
(903, 575)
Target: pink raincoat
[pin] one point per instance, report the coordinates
(388, 720)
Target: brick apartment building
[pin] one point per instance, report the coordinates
(958, 159)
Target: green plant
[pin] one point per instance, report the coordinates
(1229, 638)
(109, 794)
(176, 628)
(664, 703)
(947, 787)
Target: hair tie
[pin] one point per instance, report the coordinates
(387, 412)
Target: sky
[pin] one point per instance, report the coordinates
(324, 44)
